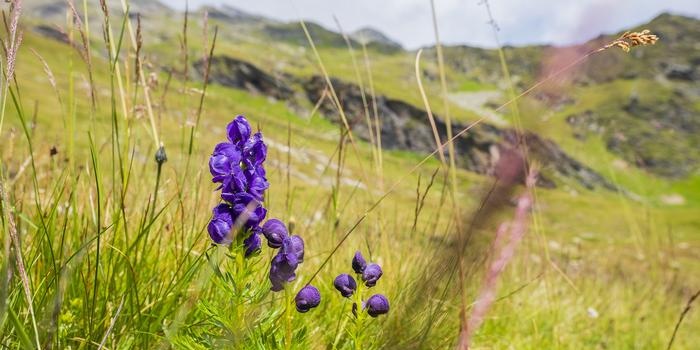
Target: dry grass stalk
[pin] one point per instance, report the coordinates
(85, 52)
(15, 38)
(629, 40)
(12, 230)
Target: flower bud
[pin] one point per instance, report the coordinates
(220, 225)
(371, 275)
(307, 298)
(358, 262)
(275, 232)
(345, 284)
(293, 245)
(377, 305)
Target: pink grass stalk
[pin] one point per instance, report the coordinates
(504, 250)
(15, 38)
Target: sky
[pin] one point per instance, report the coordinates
(520, 22)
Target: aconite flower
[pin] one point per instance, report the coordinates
(377, 305)
(244, 204)
(293, 245)
(345, 284)
(371, 274)
(224, 162)
(238, 130)
(275, 232)
(238, 166)
(358, 262)
(254, 151)
(307, 298)
(284, 264)
(282, 270)
(221, 224)
(252, 244)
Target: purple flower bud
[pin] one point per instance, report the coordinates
(238, 130)
(224, 161)
(377, 305)
(358, 262)
(345, 284)
(293, 245)
(307, 298)
(282, 270)
(275, 231)
(371, 274)
(252, 244)
(221, 224)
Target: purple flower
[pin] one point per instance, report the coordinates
(345, 284)
(256, 184)
(282, 270)
(233, 183)
(293, 245)
(275, 231)
(245, 204)
(358, 262)
(224, 162)
(238, 130)
(307, 299)
(221, 224)
(377, 305)
(254, 151)
(371, 274)
(252, 244)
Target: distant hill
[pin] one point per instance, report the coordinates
(369, 35)
(644, 106)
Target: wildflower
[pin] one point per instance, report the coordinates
(377, 305)
(238, 130)
(284, 264)
(224, 161)
(345, 284)
(253, 243)
(297, 246)
(307, 298)
(274, 231)
(257, 184)
(221, 224)
(282, 270)
(244, 204)
(358, 262)
(238, 166)
(254, 151)
(371, 275)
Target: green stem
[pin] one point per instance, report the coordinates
(359, 315)
(288, 318)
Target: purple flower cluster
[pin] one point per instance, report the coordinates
(285, 262)
(377, 304)
(238, 166)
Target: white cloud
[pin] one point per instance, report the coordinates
(465, 21)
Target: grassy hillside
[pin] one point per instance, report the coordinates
(115, 254)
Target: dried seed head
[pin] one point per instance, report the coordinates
(629, 40)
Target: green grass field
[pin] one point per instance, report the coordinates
(101, 250)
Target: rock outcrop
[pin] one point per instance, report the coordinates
(235, 73)
(405, 127)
